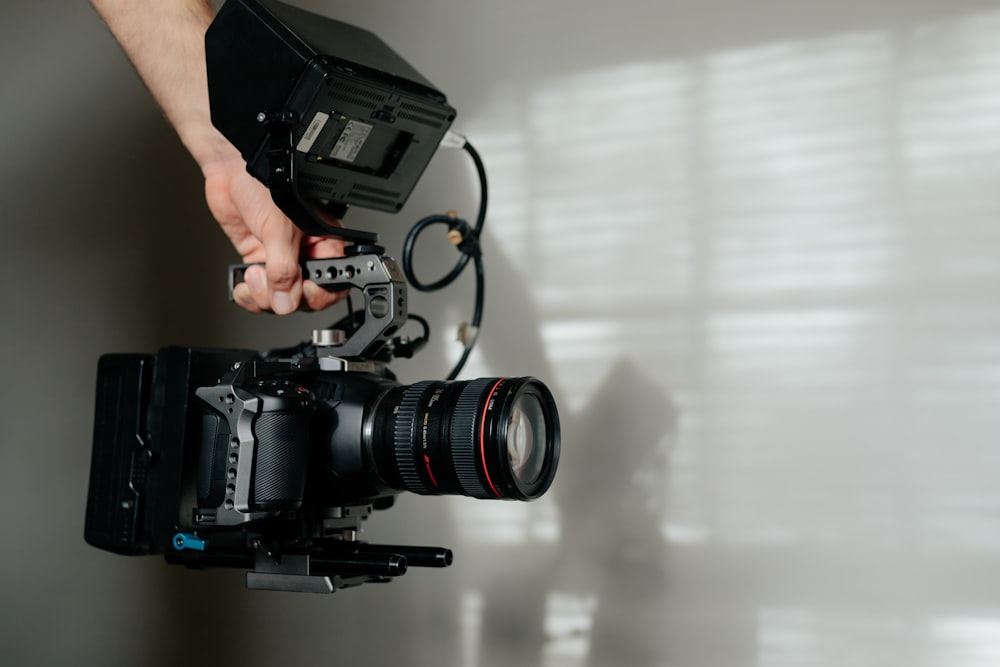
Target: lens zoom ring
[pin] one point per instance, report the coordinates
(465, 439)
(405, 437)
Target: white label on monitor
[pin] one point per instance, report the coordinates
(315, 127)
(351, 140)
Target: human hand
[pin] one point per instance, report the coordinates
(261, 232)
(166, 43)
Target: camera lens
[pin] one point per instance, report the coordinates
(485, 438)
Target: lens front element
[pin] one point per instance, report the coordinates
(526, 439)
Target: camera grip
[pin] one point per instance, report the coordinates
(254, 447)
(281, 460)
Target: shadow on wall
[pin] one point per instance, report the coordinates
(608, 559)
(589, 600)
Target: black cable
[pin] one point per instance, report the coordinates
(422, 322)
(468, 246)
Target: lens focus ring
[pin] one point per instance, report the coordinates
(464, 438)
(404, 437)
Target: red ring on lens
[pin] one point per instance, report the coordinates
(482, 437)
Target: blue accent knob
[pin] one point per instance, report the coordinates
(184, 541)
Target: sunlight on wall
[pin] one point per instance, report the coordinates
(798, 244)
(765, 219)
(806, 638)
(568, 620)
(508, 523)
(965, 642)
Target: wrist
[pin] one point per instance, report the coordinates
(210, 150)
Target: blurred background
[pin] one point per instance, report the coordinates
(753, 247)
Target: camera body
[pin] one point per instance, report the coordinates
(226, 458)
(271, 462)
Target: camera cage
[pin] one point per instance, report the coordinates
(340, 560)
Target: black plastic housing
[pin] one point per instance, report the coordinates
(143, 469)
(365, 123)
(117, 468)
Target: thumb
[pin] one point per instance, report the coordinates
(284, 275)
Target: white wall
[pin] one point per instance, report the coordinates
(755, 251)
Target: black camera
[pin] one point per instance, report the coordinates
(272, 461)
(227, 458)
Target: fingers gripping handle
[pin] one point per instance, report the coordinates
(378, 278)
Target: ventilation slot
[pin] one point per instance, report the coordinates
(313, 179)
(357, 92)
(423, 111)
(317, 186)
(418, 119)
(357, 101)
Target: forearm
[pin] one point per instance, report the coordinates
(165, 40)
